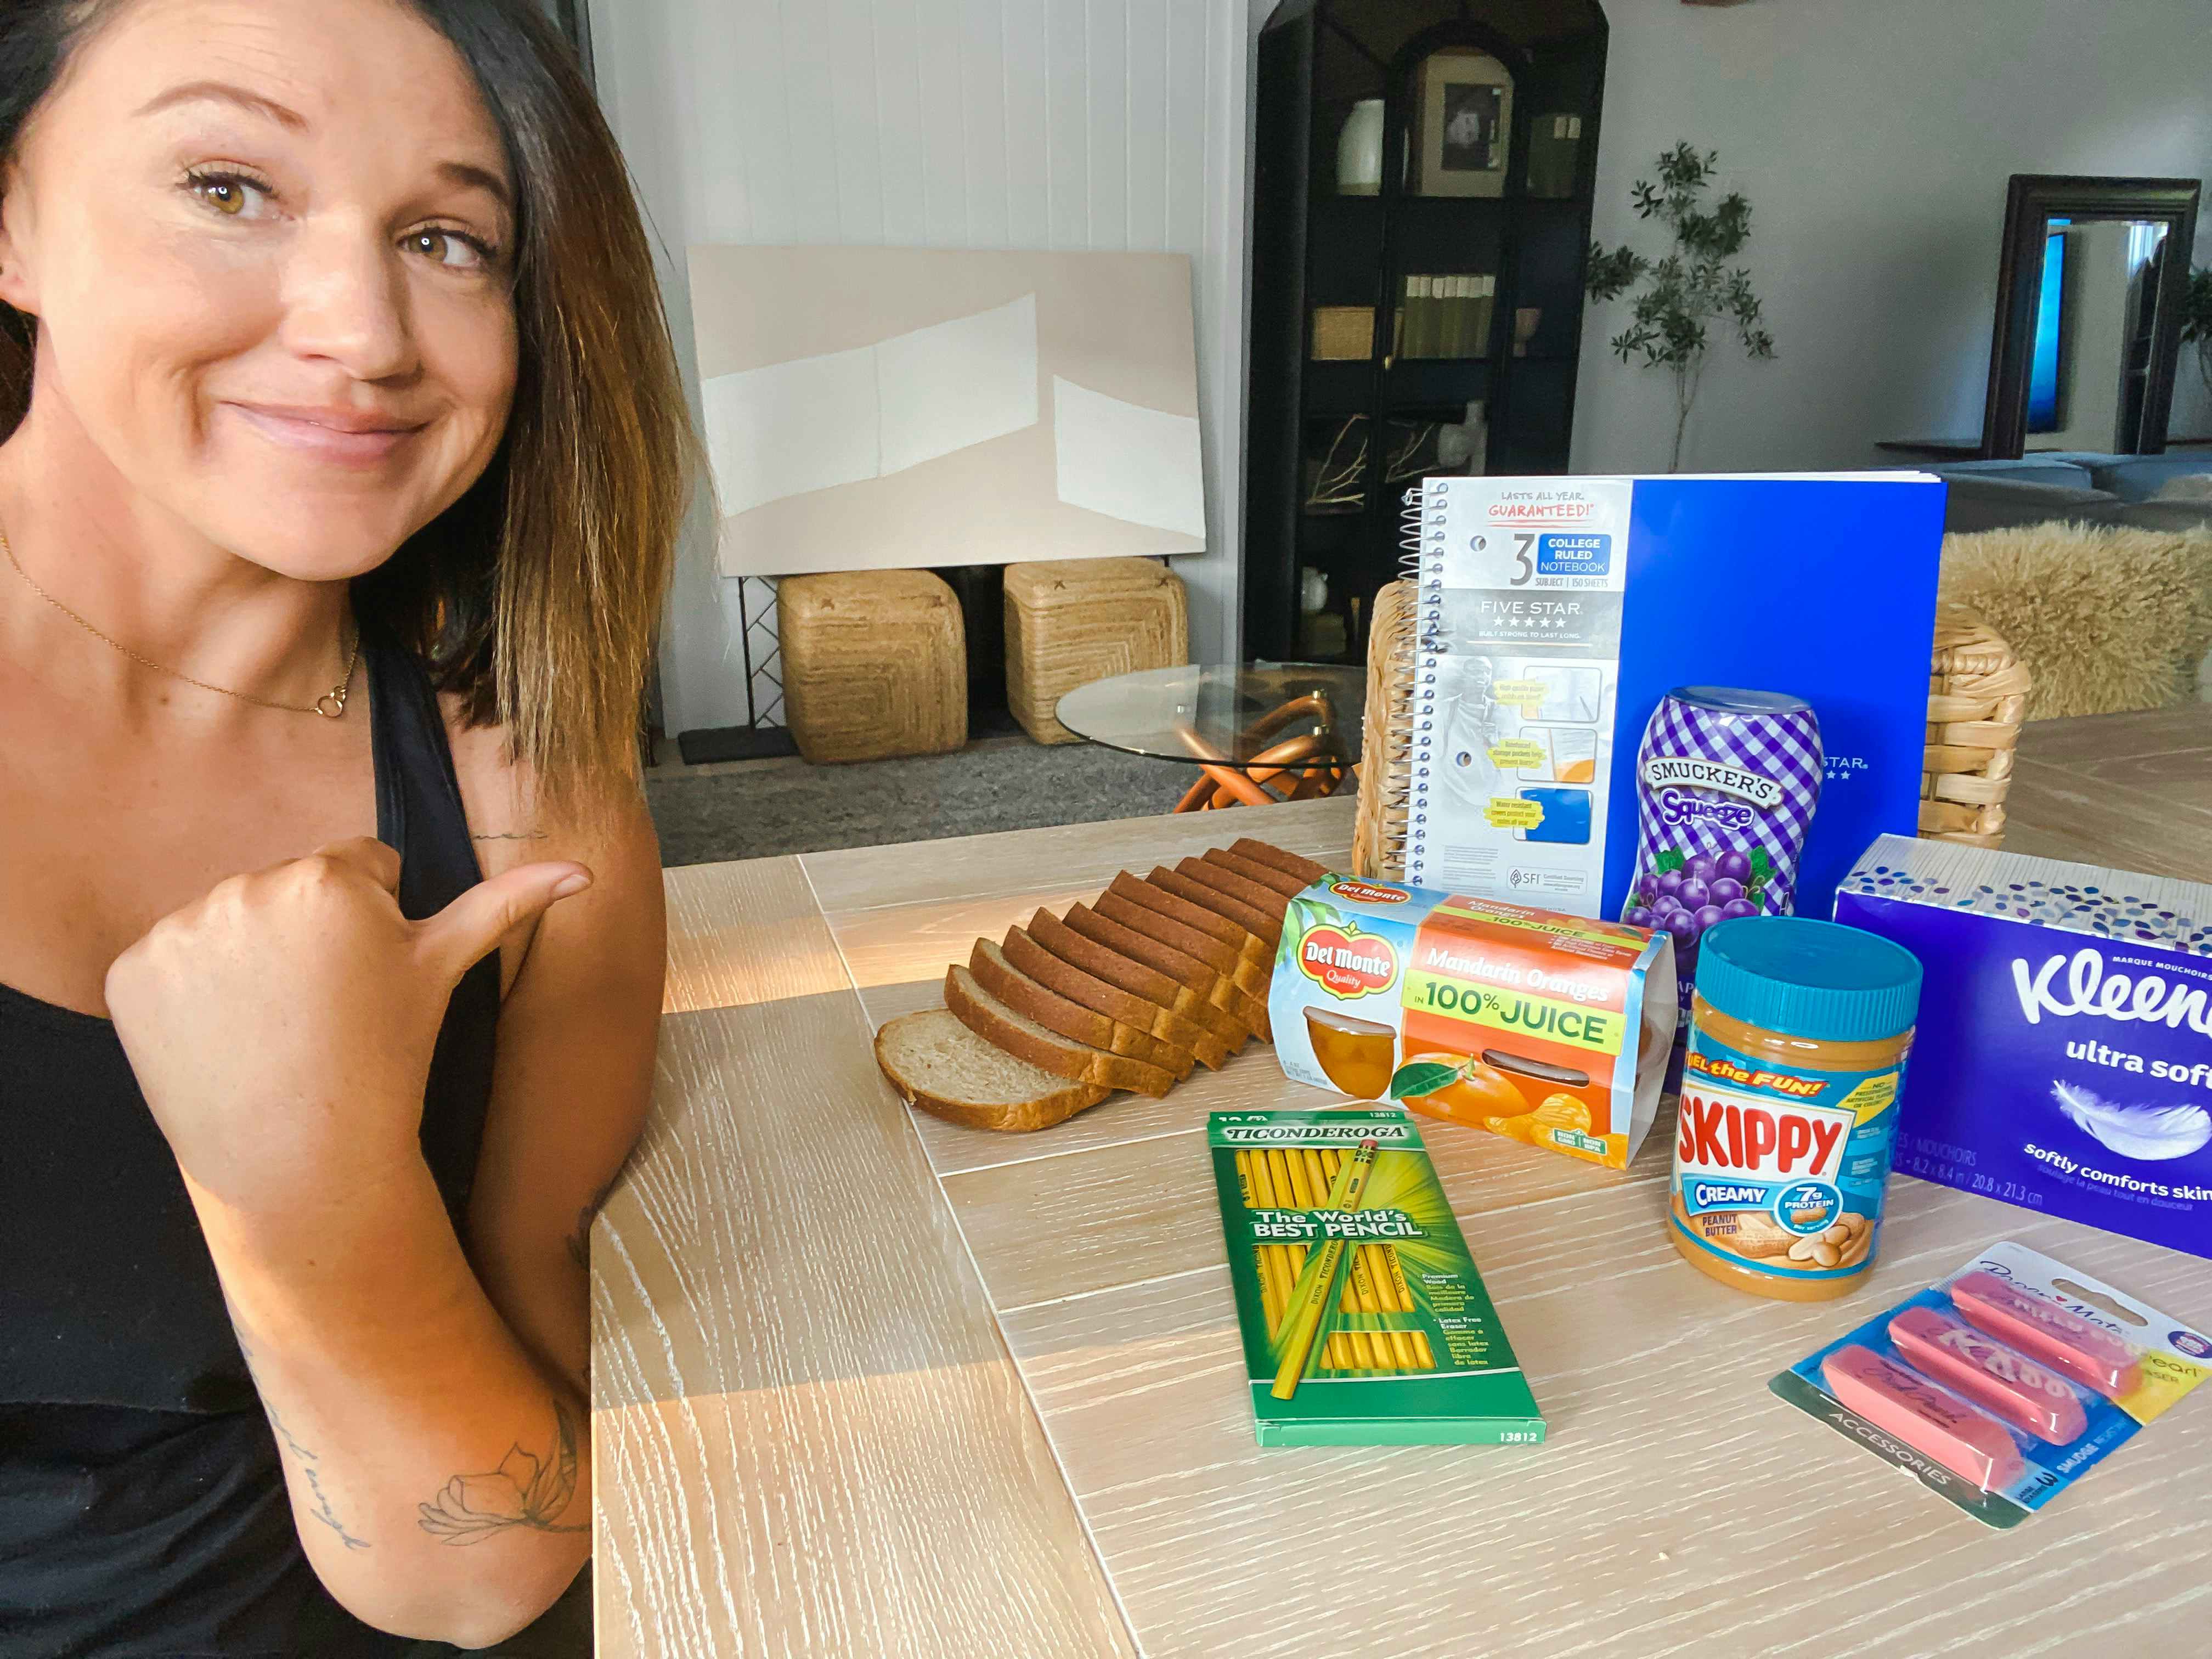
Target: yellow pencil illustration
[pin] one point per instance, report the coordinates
(1310, 1296)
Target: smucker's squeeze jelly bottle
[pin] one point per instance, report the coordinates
(1727, 781)
(1798, 1035)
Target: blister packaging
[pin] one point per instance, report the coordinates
(2003, 1384)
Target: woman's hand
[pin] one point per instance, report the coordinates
(282, 1027)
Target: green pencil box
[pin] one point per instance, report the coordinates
(1364, 1319)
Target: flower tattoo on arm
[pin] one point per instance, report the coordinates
(523, 1491)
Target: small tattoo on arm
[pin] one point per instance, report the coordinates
(311, 1474)
(510, 835)
(523, 1491)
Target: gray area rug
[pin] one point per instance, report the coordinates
(759, 809)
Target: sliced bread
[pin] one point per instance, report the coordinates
(1260, 875)
(1248, 944)
(1225, 960)
(1022, 1037)
(1136, 977)
(1214, 867)
(1260, 852)
(940, 1066)
(1180, 966)
(988, 962)
(1080, 985)
(1251, 920)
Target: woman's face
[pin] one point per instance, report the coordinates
(267, 242)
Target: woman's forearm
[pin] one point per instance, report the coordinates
(439, 1476)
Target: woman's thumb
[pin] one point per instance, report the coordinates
(460, 935)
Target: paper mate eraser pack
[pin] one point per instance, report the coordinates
(1364, 1321)
(2005, 1384)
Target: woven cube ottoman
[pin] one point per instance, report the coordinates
(875, 663)
(1075, 621)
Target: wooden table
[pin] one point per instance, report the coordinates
(866, 1384)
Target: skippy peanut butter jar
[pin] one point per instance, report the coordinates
(1552, 1029)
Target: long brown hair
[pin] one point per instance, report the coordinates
(536, 596)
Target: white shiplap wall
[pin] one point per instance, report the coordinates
(1018, 124)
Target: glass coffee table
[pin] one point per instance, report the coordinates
(1259, 732)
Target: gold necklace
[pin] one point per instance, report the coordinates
(331, 705)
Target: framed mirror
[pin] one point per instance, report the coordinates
(2090, 287)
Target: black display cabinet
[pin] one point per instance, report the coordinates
(1335, 441)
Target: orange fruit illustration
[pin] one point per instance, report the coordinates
(1484, 1092)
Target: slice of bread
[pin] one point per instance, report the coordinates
(988, 962)
(1178, 965)
(1135, 977)
(1078, 985)
(1022, 1037)
(1253, 921)
(940, 1066)
(1214, 867)
(1260, 875)
(1225, 959)
(1260, 852)
(1247, 944)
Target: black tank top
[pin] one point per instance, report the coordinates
(142, 1508)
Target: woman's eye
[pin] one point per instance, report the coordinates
(449, 248)
(225, 192)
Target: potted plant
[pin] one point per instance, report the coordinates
(1692, 286)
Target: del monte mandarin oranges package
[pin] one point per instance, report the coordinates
(1551, 1029)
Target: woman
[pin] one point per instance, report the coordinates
(345, 454)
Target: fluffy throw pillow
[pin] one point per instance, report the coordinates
(2106, 617)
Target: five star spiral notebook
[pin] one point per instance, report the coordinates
(1364, 1321)
(1554, 613)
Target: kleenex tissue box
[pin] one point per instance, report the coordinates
(2064, 1057)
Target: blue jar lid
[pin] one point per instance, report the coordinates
(1805, 978)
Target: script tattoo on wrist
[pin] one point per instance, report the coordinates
(523, 1491)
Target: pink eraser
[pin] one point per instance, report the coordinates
(2066, 1342)
(1990, 1374)
(1907, 1405)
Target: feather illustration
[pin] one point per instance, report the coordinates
(2147, 1132)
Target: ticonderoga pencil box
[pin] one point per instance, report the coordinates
(1364, 1321)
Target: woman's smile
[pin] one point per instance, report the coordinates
(338, 436)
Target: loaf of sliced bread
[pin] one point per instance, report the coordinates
(1135, 977)
(1024, 995)
(1290, 863)
(1260, 875)
(1264, 903)
(1251, 920)
(1080, 985)
(1020, 1036)
(940, 1066)
(1178, 965)
(1225, 959)
(1248, 946)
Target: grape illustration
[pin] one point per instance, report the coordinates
(1682, 925)
(1640, 915)
(1694, 894)
(1665, 905)
(1735, 866)
(1704, 867)
(1707, 916)
(1739, 906)
(1668, 881)
(1722, 889)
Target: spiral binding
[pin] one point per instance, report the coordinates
(1423, 520)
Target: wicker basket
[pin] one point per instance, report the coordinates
(875, 663)
(1070, 622)
(1977, 694)
(1977, 697)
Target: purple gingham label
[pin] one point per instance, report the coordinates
(1779, 755)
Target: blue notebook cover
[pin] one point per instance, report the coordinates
(1822, 587)
(1555, 613)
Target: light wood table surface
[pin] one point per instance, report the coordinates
(866, 1383)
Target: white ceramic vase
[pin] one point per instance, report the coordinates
(1359, 150)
